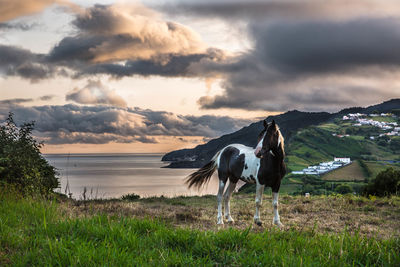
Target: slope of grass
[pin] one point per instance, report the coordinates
(37, 232)
(316, 144)
(350, 172)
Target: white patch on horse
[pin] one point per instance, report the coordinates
(249, 174)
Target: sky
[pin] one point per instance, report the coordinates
(155, 76)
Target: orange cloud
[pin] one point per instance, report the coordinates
(17, 8)
(134, 32)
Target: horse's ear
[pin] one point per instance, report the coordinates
(265, 124)
(273, 124)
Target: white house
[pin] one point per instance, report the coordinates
(298, 172)
(344, 160)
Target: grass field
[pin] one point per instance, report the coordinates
(385, 119)
(322, 231)
(350, 172)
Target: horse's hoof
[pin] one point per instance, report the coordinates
(259, 223)
(279, 224)
(230, 220)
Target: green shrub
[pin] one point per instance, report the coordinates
(130, 197)
(21, 162)
(344, 189)
(387, 182)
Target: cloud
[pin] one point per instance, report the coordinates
(15, 61)
(15, 101)
(309, 55)
(310, 65)
(126, 40)
(47, 97)
(289, 9)
(64, 137)
(117, 40)
(12, 9)
(95, 92)
(126, 32)
(17, 26)
(174, 66)
(102, 124)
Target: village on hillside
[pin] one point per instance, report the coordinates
(324, 167)
(361, 119)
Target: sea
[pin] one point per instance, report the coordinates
(100, 176)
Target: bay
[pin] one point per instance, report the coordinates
(114, 175)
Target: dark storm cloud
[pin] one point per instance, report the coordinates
(271, 9)
(312, 60)
(175, 66)
(321, 46)
(101, 124)
(20, 62)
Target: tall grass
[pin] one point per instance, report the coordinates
(36, 232)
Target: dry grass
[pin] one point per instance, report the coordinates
(377, 217)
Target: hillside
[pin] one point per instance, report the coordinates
(290, 123)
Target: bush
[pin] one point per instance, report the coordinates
(130, 197)
(386, 182)
(344, 189)
(21, 162)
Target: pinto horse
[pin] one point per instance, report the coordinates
(263, 166)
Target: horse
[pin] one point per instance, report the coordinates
(263, 166)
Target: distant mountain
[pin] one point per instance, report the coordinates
(289, 123)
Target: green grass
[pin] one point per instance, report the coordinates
(37, 232)
(316, 144)
(384, 119)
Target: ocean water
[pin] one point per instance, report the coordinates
(114, 175)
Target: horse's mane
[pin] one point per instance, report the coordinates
(282, 139)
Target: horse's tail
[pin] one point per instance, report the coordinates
(203, 175)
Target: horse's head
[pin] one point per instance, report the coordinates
(273, 141)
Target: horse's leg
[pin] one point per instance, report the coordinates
(219, 199)
(277, 220)
(227, 199)
(259, 193)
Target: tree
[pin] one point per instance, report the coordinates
(387, 182)
(21, 162)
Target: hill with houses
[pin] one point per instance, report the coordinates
(316, 124)
(323, 150)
